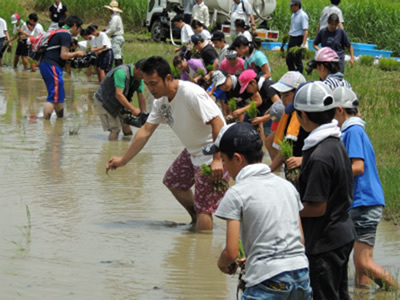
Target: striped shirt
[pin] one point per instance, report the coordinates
(336, 80)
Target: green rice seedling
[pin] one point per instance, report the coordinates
(241, 250)
(176, 73)
(287, 151)
(220, 186)
(201, 72)
(232, 104)
(295, 50)
(389, 64)
(252, 111)
(367, 60)
(23, 245)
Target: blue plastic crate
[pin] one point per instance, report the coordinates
(373, 52)
(362, 46)
(271, 45)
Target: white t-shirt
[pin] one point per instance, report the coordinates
(326, 12)
(246, 34)
(200, 13)
(206, 35)
(186, 34)
(101, 40)
(239, 13)
(3, 27)
(37, 30)
(187, 115)
(267, 207)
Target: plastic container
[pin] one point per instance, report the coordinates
(272, 45)
(372, 52)
(363, 46)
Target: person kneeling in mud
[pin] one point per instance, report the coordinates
(114, 97)
(196, 120)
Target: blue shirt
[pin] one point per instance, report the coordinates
(367, 187)
(255, 61)
(298, 23)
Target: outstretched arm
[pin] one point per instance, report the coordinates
(227, 259)
(140, 139)
(217, 168)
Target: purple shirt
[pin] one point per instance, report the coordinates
(194, 64)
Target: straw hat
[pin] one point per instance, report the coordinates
(113, 6)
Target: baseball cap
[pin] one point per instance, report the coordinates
(15, 18)
(295, 2)
(345, 97)
(245, 78)
(276, 110)
(219, 77)
(326, 54)
(289, 81)
(217, 36)
(238, 41)
(196, 38)
(314, 96)
(231, 54)
(236, 137)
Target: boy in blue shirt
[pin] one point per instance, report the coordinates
(263, 209)
(367, 207)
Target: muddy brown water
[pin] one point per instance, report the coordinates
(92, 236)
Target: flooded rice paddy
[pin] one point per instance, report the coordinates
(69, 231)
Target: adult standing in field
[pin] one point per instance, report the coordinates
(242, 9)
(57, 12)
(335, 38)
(200, 13)
(329, 10)
(298, 36)
(187, 10)
(4, 39)
(196, 120)
(115, 30)
(115, 93)
(53, 62)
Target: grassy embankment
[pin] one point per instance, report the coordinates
(378, 90)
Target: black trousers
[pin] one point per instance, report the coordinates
(328, 273)
(294, 62)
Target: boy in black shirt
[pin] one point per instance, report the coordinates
(326, 190)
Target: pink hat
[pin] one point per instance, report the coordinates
(245, 78)
(15, 18)
(326, 54)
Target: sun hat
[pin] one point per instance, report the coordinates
(219, 77)
(231, 54)
(295, 2)
(326, 54)
(15, 18)
(113, 6)
(289, 81)
(245, 78)
(217, 36)
(345, 97)
(314, 96)
(236, 137)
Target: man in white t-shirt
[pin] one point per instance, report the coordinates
(242, 9)
(196, 120)
(4, 39)
(200, 13)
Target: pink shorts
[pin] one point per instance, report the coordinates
(182, 175)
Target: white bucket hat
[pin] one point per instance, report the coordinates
(113, 6)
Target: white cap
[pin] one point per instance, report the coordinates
(314, 96)
(345, 97)
(289, 81)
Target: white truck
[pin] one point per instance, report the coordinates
(160, 12)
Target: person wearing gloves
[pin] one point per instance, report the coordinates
(298, 36)
(115, 30)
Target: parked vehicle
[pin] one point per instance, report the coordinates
(160, 12)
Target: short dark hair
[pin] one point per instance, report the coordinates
(319, 117)
(33, 17)
(196, 23)
(91, 28)
(178, 18)
(252, 157)
(156, 64)
(335, 2)
(333, 67)
(139, 64)
(351, 111)
(71, 21)
(241, 23)
(177, 60)
(84, 32)
(333, 19)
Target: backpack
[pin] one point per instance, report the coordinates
(40, 43)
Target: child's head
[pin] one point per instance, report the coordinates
(197, 41)
(222, 80)
(93, 30)
(218, 38)
(248, 81)
(231, 56)
(346, 102)
(197, 26)
(179, 62)
(178, 21)
(240, 25)
(327, 62)
(15, 19)
(240, 145)
(314, 105)
(333, 22)
(335, 2)
(242, 46)
(287, 85)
